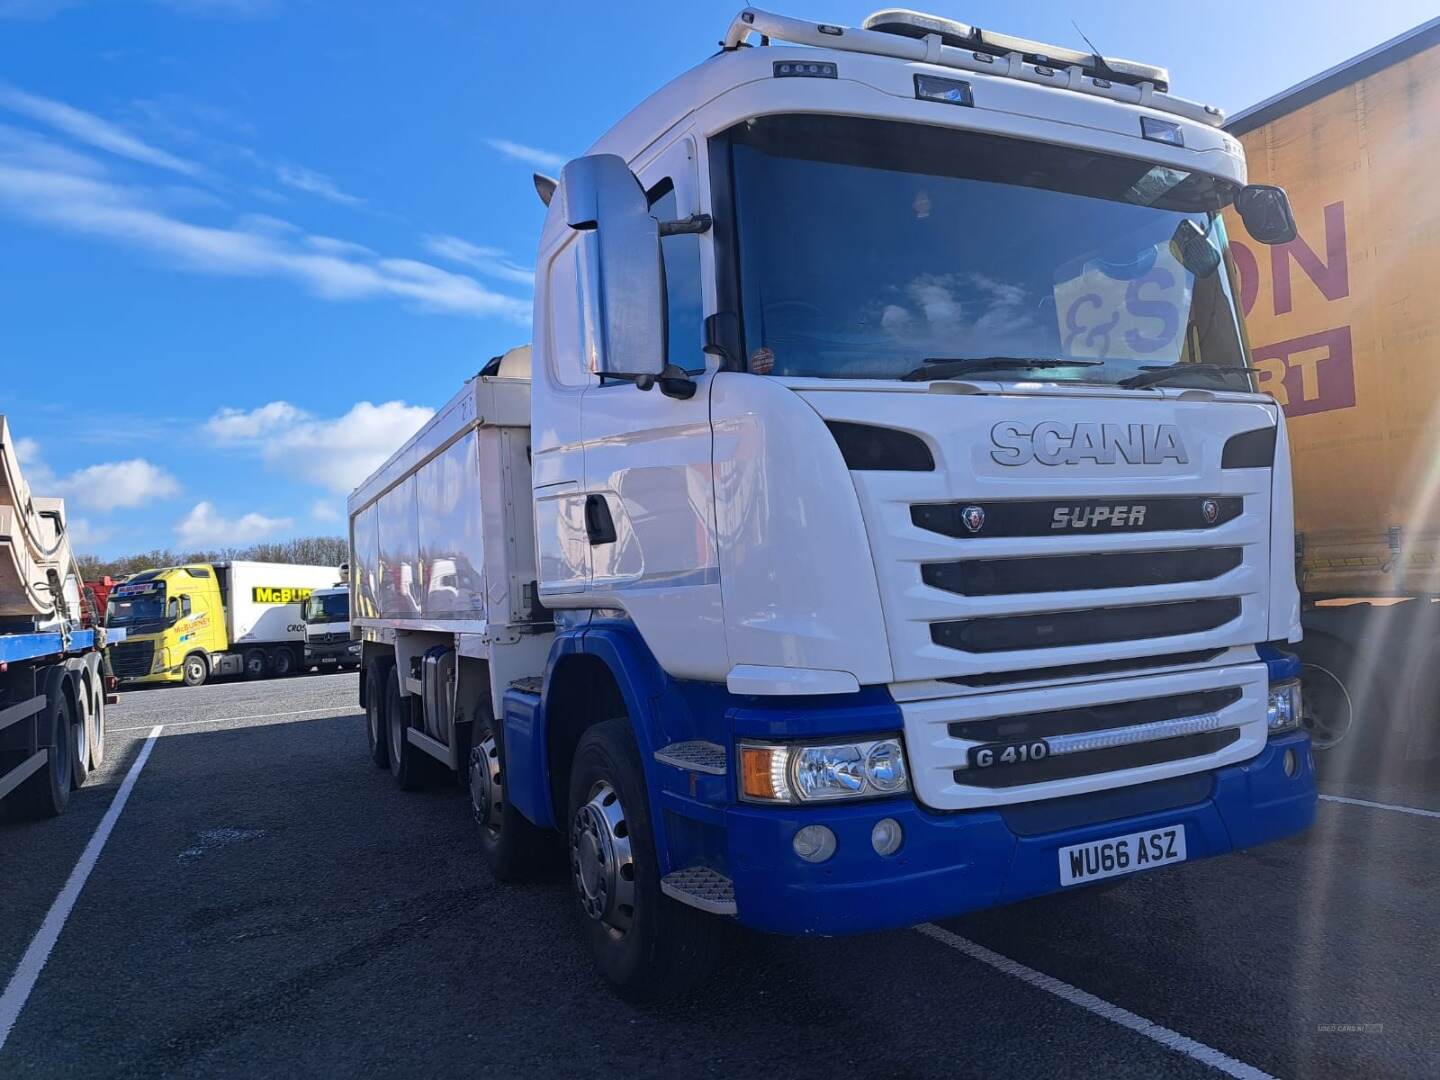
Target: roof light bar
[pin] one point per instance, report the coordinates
(919, 38)
(915, 24)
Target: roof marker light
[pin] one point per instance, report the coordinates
(946, 91)
(805, 69)
(1162, 131)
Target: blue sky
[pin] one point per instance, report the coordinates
(248, 244)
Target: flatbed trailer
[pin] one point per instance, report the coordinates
(52, 717)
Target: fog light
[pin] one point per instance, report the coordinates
(814, 843)
(886, 836)
(1292, 764)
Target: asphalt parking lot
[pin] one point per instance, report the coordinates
(268, 903)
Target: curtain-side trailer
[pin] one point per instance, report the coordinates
(1345, 332)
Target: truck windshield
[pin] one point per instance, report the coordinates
(136, 605)
(869, 249)
(332, 608)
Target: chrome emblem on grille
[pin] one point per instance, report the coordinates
(1210, 510)
(973, 517)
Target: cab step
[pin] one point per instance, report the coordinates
(694, 755)
(700, 887)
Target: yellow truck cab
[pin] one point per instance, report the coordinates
(191, 623)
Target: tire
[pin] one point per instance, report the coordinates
(47, 792)
(97, 715)
(1345, 715)
(648, 946)
(257, 664)
(513, 848)
(196, 669)
(409, 765)
(375, 729)
(282, 663)
(81, 729)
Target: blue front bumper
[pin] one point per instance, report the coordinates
(951, 863)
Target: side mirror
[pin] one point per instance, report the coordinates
(626, 276)
(1265, 210)
(1193, 248)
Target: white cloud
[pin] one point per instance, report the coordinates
(116, 485)
(233, 425)
(335, 453)
(27, 451)
(92, 130)
(204, 526)
(488, 260)
(308, 180)
(530, 155)
(84, 535)
(257, 246)
(325, 510)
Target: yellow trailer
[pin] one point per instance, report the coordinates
(1344, 326)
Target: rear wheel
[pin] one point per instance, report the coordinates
(409, 765)
(514, 849)
(256, 663)
(47, 792)
(282, 663)
(375, 735)
(647, 945)
(97, 716)
(195, 670)
(80, 732)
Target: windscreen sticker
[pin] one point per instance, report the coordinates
(1125, 311)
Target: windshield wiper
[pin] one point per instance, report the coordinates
(1151, 375)
(942, 367)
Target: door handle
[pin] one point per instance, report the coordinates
(599, 526)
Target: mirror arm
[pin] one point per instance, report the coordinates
(695, 223)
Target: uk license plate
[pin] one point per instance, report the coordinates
(1098, 859)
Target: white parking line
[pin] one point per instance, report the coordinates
(232, 719)
(1171, 1040)
(1382, 806)
(17, 991)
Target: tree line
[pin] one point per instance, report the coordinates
(309, 550)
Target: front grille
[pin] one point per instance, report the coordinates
(1067, 573)
(1018, 727)
(1057, 629)
(1079, 671)
(1056, 517)
(1115, 758)
(328, 639)
(132, 659)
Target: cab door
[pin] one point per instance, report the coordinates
(647, 457)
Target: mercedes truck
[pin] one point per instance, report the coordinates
(330, 641)
(189, 624)
(885, 523)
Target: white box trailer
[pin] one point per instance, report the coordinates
(265, 602)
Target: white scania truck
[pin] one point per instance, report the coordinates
(886, 524)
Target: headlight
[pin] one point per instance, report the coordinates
(1284, 710)
(355, 648)
(789, 773)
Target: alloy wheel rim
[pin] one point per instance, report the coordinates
(602, 861)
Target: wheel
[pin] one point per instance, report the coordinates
(97, 717)
(282, 663)
(196, 669)
(514, 849)
(409, 765)
(256, 663)
(1345, 711)
(647, 945)
(47, 792)
(375, 736)
(80, 731)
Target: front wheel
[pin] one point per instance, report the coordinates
(647, 945)
(195, 670)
